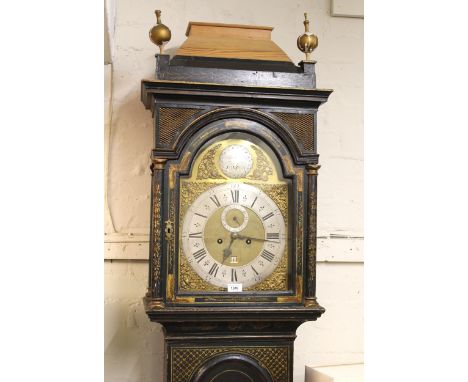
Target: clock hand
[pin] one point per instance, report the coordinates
(254, 238)
(237, 221)
(227, 251)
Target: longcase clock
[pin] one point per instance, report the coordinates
(233, 211)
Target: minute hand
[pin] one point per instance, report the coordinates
(253, 238)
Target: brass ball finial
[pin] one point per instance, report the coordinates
(159, 34)
(307, 42)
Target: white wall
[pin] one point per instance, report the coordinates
(133, 345)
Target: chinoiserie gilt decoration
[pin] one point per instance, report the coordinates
(232, 263)
(160, 34)
(307, 42)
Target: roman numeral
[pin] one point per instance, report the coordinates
(267, 255)
(215, 200)
(203, 216)
(214, 269)
(233, 275)
(254, 270)
(272, 235)
(235, 196)
(200, 254)
(268, 216)
(196, 235)
(253, 202)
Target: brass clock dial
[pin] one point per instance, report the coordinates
(234, 218)
(233, 233)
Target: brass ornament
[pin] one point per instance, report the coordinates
(185, 300)
(278, 280)
(159, 34)
(312, 245)
(169, 229)
(157, 237)
(312, 169)
(190, 281)
(310, 302)
(174, 168)
(292, 169)
(307, 42)
(263, 169)
(297, 297)
(171, 239)
(158, 163)
(155, 303)
(207, 168)
(170, 287)
(299, 237)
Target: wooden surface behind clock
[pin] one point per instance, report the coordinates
(234, 179)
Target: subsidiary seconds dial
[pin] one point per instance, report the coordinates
(233, 233)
